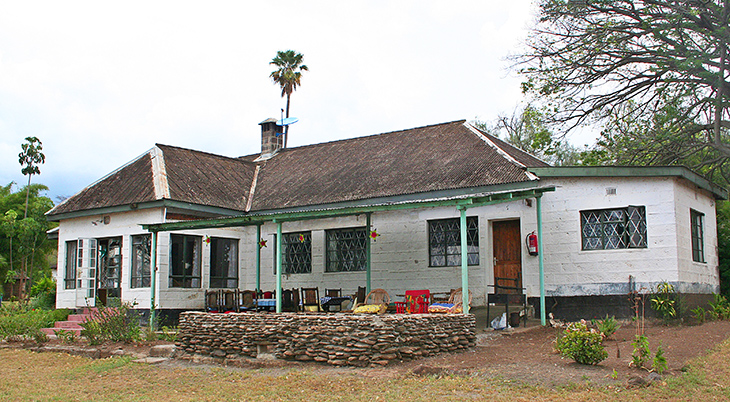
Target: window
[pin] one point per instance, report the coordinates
(184, 261)
(698, 242)
(609, 229)
(141, 245)
(444, 238)
(345, 250)
(297, 253)
(223, 263)
(69, 278)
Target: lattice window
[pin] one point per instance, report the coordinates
(297, 253)
(346, 250)
(617, 228)
(223, 263)
(445, 242)
(698, 235)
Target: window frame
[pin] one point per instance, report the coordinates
(453, 259)
(188, 279)
(140, 276)
(335, 238)
(69, 278)
(297, 253)
(630, 228)
(229, 282)
(697, 233)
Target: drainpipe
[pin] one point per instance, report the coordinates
(464, 262)
(543, 321)
(153, 279)
(278, 266)
(258, 258)
(367, 253)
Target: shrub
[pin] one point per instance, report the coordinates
(664, 301)
(66, 336)
(660, 362)
(116, 324)
(19, 320)
(719, 308)
(641, 351)
(700, 314)
(607, 326)
(582, 344)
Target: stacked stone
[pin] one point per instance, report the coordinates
(336, 339)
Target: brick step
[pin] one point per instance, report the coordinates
(67, 324)
(79, 317)
(52, 331)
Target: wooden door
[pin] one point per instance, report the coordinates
(507, 249)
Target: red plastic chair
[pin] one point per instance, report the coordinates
(417, 302)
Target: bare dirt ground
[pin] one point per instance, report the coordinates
(522, 355)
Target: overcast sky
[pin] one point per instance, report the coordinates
(101, 82)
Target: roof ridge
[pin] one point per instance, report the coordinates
(235, 158)
(159, 173)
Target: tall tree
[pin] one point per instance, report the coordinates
(656, 70)
(29, 159)
(288, 75)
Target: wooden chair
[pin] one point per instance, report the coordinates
(333, 292)
(246, 300)
(211, 300)
(310, 297)
(359, 296)
(288, 302)
(227, 301)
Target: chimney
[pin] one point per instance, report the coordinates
(272, 138)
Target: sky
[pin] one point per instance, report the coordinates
(100, 83)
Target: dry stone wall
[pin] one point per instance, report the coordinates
(337, 339)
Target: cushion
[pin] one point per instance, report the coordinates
(440, 308)
(370, 309)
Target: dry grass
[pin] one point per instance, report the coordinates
(26, 375)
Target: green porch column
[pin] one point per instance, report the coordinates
(464, 262)
(367, 253)
(540, 260)
(278, 266)
(258, 257)
(153, 279)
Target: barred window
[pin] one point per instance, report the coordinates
(445, 242)
(617, 228)
(223, 263)
(697, 221)
(297, 253)
(140, 261)
(184, 261)
(346, 250)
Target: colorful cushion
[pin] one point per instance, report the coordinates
(369, 309)
(440, 308)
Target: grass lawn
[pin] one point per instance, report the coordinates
(26, 375)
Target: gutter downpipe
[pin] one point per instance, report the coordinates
(464, 262)
(278, 266)
(541, 263)
(368, 261)
(258, 258)
(153, 285)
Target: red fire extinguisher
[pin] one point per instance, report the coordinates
(531, 241)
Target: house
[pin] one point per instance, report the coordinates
(396, 211)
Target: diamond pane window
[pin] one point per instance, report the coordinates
(346, 250)
(297, 256)
(445, 242)
(611, 229)
(698, 244)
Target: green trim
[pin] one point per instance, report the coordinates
(143, 205)
(471, 201)
(633, 171)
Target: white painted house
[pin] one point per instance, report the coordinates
(386, 211)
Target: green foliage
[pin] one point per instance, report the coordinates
(723, 245)
(719, 308)
(20, 320)
(641, 353)
(607, 326)
(700, 314)
(116, 324)
(664, 301)
(581, 344)
(659, 364)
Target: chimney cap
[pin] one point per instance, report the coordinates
(269, 120)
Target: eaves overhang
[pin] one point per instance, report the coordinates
(206, 209)
(463, 201)
(633, 171)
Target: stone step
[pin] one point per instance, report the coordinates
(52, 331)
(79, 317)
(67, 324)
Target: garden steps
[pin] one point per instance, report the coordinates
(72, 323)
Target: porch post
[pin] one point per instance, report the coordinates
(367, 252)
(153, 278)
(278, 267)
(543, 321)
(258, 258)
(464, 262)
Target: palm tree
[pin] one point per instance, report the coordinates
(288, 75)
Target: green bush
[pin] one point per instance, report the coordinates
(700, 314)
(641, 353)
(116, 324)
(660, 362)
(20, 320)
(719, 308)
(581, 344)
(664, 301)
(607, 326)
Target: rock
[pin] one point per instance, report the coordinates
(162, 351)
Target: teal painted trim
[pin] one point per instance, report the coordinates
(213, 211)
(153, 284)
(368, 248)
(633, 171)
(278, 267)
(541, 260)
(258, 218)
(258, 258)
(464, 262)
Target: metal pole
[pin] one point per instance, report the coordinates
(153, 279)
(278, 267)
(368, 265)
(464, 262)
(258, 258)
(543, 320)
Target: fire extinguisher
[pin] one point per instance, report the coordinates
(531, 241)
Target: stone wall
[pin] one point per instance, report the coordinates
(337, 339)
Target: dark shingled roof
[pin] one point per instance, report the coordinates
(432, 158)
